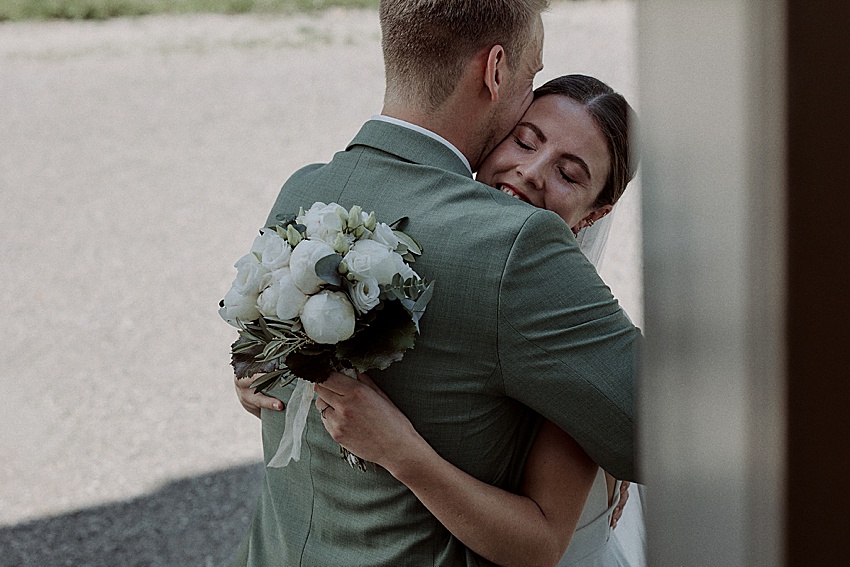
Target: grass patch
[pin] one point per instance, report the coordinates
(14, 10)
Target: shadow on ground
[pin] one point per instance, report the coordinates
(190, 522)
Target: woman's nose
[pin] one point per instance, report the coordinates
(532, 174)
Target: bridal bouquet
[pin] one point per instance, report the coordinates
(330, 289)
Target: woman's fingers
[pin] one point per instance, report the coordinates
(365, 379)
(251, 400)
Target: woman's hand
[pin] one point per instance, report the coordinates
(251, 400)
(361, 418)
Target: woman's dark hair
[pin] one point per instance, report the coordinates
(615, 119)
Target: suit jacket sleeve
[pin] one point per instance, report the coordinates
(566, 349)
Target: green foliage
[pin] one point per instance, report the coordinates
(105, 9)
(413, 294)
(381, 343)
(262, 346)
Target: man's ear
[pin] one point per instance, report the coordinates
(494, 71)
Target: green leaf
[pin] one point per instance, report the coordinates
(311, 367)
(280, 323)
(383, 342)
(273, 350)
(266, 381)
(264, 327)
(284, 219)
(328, 269)
(245, 363)
(398, 224)
(418, 309)
(252, 335)
(412, 244)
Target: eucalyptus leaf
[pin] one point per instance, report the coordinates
(284, 219)
(328, 269)
(424, 298)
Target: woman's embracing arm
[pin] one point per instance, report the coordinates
(532, 528)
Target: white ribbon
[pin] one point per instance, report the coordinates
(296, 420)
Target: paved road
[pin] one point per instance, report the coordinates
(137, 159)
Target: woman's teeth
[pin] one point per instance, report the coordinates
(508, 191)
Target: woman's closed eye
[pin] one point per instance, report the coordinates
(522, 144)
(566, 177)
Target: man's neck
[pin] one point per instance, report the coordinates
(452, 124)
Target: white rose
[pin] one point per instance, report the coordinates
(249, 275)
(239, 306)
(328, 317)
(366, 294)
(302, 263)
(324, 222)
(384, 234)
(274, 251)
(371, 259)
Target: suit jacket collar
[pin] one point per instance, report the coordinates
(408, 145)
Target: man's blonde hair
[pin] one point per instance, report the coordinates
(427, 43)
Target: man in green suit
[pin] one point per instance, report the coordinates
(520, 325)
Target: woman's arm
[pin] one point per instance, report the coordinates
(532, 528)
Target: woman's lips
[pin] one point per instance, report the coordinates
(512, 191)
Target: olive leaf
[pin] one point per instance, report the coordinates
(411, 243)
(244, 359)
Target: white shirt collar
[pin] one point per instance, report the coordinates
(428, 133)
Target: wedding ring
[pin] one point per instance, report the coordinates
(322, 411)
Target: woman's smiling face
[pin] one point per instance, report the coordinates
(556, 158)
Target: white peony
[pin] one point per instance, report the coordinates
(328, 317)
(273, 250)
(366, 295)
(302, 263)
(249, 275)
(239, 306)
(281, 298)
(371, 259)
(324, 222)
(384, 234)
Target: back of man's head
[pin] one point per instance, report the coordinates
(427, 43)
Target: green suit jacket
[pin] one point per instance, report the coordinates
(520, 326)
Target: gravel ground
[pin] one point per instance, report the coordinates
(137, 159)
